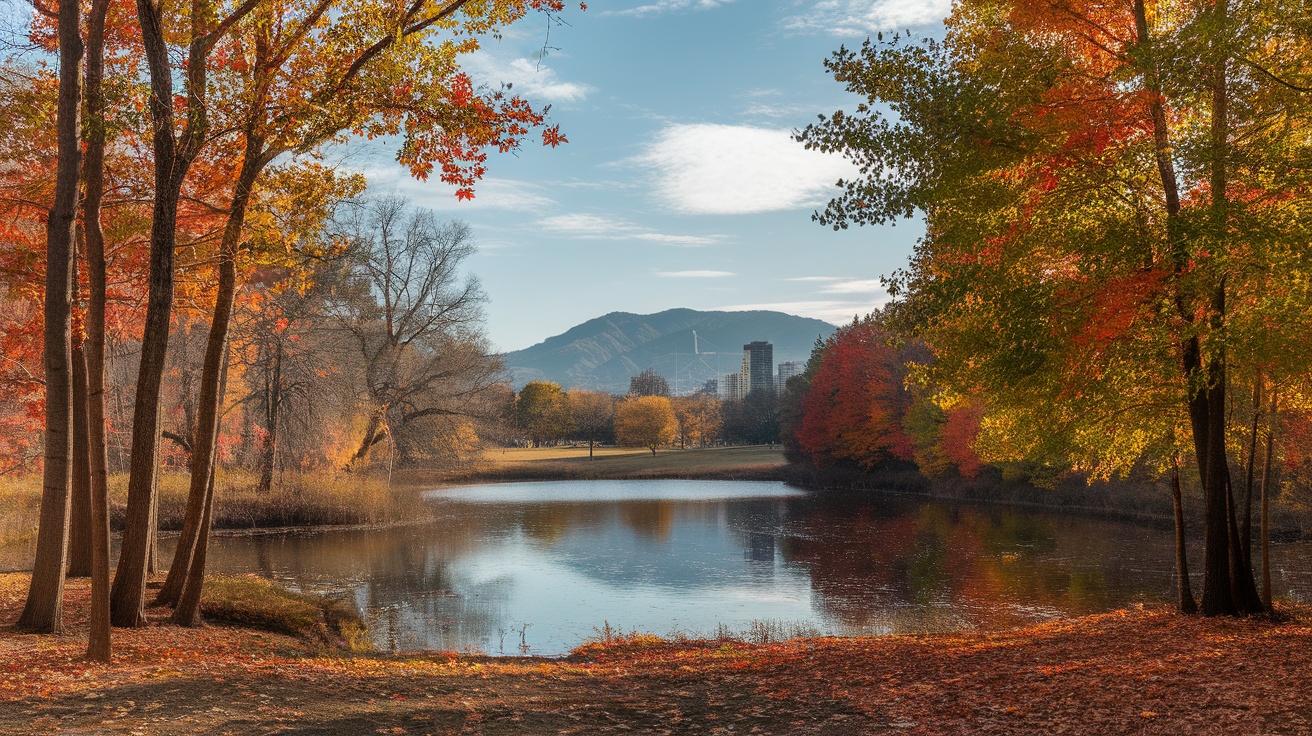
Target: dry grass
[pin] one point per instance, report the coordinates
(563, 463)
(322, 499)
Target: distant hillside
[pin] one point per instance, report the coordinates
(603, 353)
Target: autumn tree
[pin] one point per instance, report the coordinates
(697, 418)
(1103, 226)
(645, 421)
(43, 611)
(854, 408)
(542, 411)
(592, 415)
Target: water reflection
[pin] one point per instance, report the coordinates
(546, 564)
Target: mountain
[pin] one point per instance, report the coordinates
(603, 353)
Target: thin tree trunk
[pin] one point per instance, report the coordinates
(43, 611)
(271, 410)
(79, 518)
(1186, 595)
(173, 157)
(1266, 508)
(212, 370)
(187, 612)
(99, 645)
(1246, 531)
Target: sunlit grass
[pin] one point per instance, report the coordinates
(256, 603)
(296, 499)
(625, 462)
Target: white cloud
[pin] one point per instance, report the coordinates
(706, 169)
(536, 82)
(695, 274)
(857, 286)
(831, 311)
(863, 17)
(592, 227)
(581, 225)
(668, 6)
(490, 193)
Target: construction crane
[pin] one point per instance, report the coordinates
(696, 348)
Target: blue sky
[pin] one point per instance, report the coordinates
(680, 186)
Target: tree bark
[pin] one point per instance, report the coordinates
(187, 612)
(99, 645)
(213, 368)
(1246, 531)
(1187, 603)
(43, 611)
(272, 406)
(79, 518)
(173, 157)
(1266, 508)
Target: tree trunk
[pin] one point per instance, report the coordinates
(213, 368)
(1266, 508)
(187, 612)
(1246, 531)
(79, 518)
(99, 646)
(173, 157)
(43, 611)
(271, 409)
(1186, 594)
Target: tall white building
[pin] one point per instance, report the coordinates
(788, 370)
(731, 386)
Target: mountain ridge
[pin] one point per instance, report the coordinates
(604, 352)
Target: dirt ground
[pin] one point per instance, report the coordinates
(1130, 672)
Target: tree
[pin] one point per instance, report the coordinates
(413, 319)
(592, 414)
(43, 610)
(645, 421)
(649, 383)
(297, 86)
(698, 418)
(1100, 223)
(542, 410)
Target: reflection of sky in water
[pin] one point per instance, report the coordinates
(668, 557)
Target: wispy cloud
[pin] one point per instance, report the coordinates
(585, 226)
(535, 81)
(863, 17)
(706, 169)
(856, 286)
(695, 274)
(668, 6)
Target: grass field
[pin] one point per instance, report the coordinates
(557, 463)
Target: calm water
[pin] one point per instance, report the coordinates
(539, 567)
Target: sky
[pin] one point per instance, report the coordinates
(680, 185)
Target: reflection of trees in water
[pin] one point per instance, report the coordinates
(867, 558)
(871, 564)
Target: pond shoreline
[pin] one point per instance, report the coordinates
(1139, 670)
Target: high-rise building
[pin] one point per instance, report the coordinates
(788, 370)
(731, 387)
(758, 366)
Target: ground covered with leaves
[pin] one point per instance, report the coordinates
(1129, 672)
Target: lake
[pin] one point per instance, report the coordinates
(539, 567)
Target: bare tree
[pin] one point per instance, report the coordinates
(414, 321)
